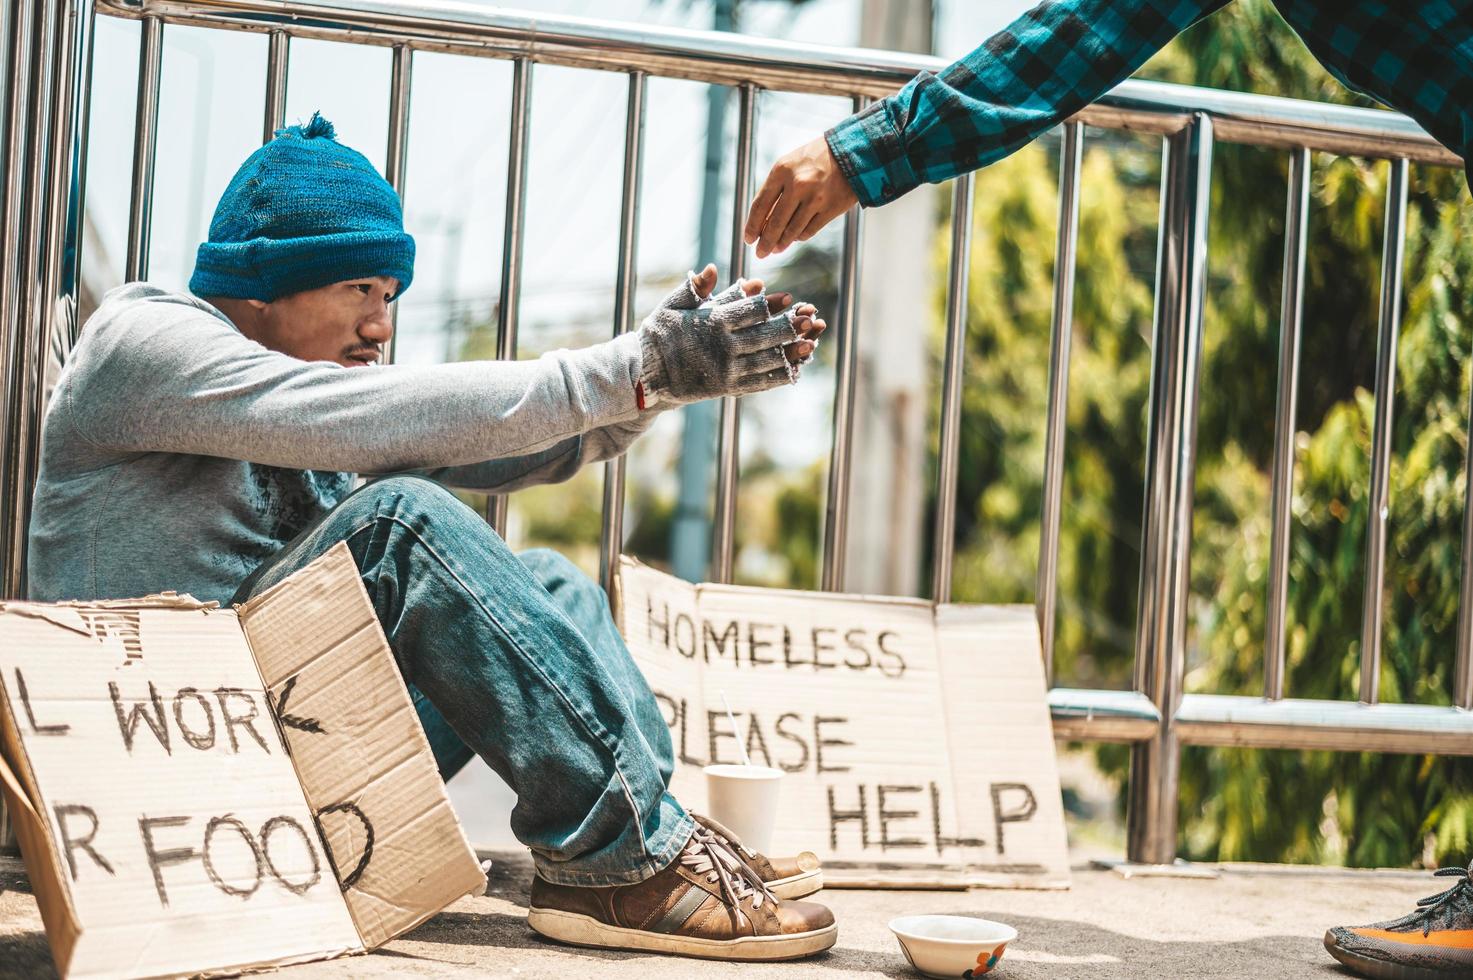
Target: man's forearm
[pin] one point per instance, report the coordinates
(1044, 67)
(554, 465)
(167, 377)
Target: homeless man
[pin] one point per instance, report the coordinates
(208, 443)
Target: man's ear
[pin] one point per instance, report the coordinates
(259, 304)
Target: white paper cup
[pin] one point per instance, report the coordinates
(744, 800)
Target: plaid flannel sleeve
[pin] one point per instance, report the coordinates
(1045, 66)
(1416, 58)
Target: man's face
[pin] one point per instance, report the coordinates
(346, 323)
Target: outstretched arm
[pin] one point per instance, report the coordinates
(562, 461)
(1040, 70)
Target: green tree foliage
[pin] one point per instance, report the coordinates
(1371, 809)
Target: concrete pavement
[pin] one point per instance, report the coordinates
(1259, 922)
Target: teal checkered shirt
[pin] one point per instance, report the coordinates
(1063, 54)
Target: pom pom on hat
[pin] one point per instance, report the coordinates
(303, 211)
(316, 126)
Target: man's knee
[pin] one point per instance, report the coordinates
(557, 573)
(408, 496)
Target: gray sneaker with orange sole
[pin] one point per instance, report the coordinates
(707, 903)
(1433, 943)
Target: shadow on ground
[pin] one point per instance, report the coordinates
(1051, 948)
(489, 934)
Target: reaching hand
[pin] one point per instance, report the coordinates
(734, 343)
(804, 191)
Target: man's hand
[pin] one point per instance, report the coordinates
(698, 346)
(804, 191)
(806, 321)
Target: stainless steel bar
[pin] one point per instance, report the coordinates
(278, 57)
(1389, 325)
(55, 299)
(846, 369)
(1170, 464)
(9, 79)
(73, 19)
(1291, 312)
(17, 82)
(397, 156)
(611, 536)
(14, 341)
(398, 141)
(1102, 716)
(944, 540)
(77, 209)
(145, 139)
(1341, 726)
(35, 305)
(1071, 157)
(728, 462)
(1463, 669)
(725, 58)
(1228, 720)
(23, 401)
(511, 242)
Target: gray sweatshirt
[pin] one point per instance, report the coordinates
(179, 454)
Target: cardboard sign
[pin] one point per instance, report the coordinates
(916, 738)
(168, 826)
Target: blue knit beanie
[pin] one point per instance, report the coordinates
(303, 211)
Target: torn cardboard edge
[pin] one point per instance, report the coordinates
(278, 625)
(425, 862)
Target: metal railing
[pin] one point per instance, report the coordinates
(47, 50)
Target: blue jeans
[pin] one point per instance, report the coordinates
(517, 660)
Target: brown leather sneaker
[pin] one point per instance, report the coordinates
(707, 903)
(785, 877)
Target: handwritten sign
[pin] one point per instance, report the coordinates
(916, 738)
(180, 828)
(198, 789)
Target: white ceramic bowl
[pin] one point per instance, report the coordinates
(952, 945)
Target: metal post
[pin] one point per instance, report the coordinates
(611, 536)
(1291, 313)
(944, 545)
(22, 186)
(278, 54)
(723, 548)
(52, 161)
(37, 160)
(1463, 672)
(12, 216)
(15, 34)
(77, 206)
(1389, 324)
(846, 365)
(396, 158)
(511, 242)
(73, 23)
(145, 138)
(1071, 158)
(1170, 463)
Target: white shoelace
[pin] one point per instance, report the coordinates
(710, 854)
